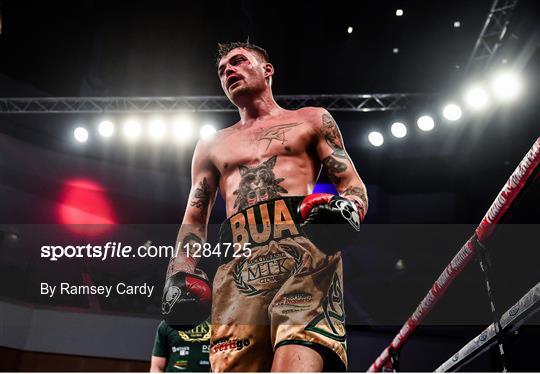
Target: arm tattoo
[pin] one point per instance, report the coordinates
(334, 167)
(358, 192)
(189, 239)
(201, 198)
(258, 183)
(332, 136)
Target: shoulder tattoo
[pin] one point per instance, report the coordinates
(332, 136)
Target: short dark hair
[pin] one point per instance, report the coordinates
(224, 48)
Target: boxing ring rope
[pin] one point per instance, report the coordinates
(502, 202)
(510, 321)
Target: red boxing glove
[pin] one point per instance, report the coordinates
(187, 300)
(330, 209)
(310, 201)
(330, 221)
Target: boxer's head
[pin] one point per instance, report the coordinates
(244, 70)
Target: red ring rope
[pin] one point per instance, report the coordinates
(504, 199)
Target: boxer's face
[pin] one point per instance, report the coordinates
(242, 72)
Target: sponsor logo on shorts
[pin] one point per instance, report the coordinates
(295, 301)
(254, 276)
(221, 345)
(274, 221)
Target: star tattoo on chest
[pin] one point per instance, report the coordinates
(275, 133)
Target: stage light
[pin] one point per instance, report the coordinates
(476, 97)
(132, 129)
(457, 24)
(506, 85)
(398, 129)
(183, 128)
(80, 134)
(399, 12)
(207, 131)
(452, 112)
(157, 129)
(85, 207)
(395, 50)
(375, 138)
(425, 123)
(106, 129)
(350, 29)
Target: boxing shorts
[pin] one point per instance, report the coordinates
(286, 292)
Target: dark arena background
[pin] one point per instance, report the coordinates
(102, 104)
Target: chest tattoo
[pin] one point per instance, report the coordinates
(275, 133)
(257, 184)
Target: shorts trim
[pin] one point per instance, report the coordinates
(332, 363)
(312, 324)
(295, 341)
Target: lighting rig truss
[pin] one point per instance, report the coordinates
(351, 103)
(492, 35)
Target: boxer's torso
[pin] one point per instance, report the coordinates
(267, 159)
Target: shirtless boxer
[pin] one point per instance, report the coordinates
(281, 309)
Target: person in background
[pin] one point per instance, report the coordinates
(176, 351)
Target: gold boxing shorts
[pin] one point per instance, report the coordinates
(286, 292)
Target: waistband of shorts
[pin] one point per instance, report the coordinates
(276, 211)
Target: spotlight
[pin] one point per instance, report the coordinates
(375, 138)
(506, 85)
(183, 128)
(476, 97)
(132, 129)
(425, 123)
(207, 131)
(80, 134)
(452, 112)
(398, 129)
(395, 50)
(350, 30)
(399, 12)
(106, 129)
(157, 129)
(457, 24)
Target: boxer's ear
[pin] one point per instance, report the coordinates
(268, 70)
